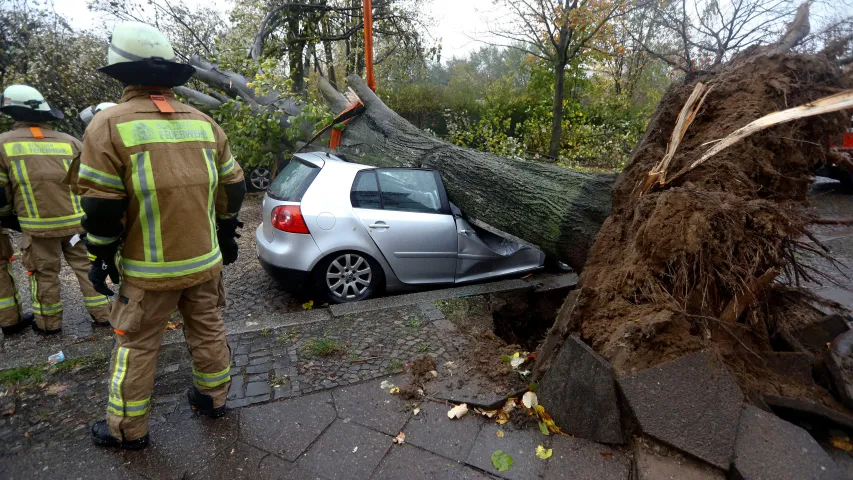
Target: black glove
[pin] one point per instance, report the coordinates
(11, 222)
(226, 233)
(103, 266)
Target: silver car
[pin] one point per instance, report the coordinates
(351, 231)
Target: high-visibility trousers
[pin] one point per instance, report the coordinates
(10, 302)
(139, 318)
(41, 258)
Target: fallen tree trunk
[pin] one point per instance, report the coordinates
(557, 209)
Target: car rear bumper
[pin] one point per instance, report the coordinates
(288, 278)
(289, 257)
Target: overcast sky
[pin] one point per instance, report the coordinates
(455, 20)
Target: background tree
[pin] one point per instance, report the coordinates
(558, 32)
(39, 48)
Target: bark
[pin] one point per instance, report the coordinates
(557, 209)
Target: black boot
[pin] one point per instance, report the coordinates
(26, 321)
(203, 404)
(99, 324)
(102, 438)
(46, 332)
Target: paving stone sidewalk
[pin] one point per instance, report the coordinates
(307, 413)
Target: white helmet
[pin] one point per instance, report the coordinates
(139, 54)
(89, 113)
(27, 104)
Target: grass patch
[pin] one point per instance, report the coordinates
(100, 359)
(451, 306)
(395, 365)
(23, 375)
(424, 348)
(324, 347)
(265, 332)
(414, 323)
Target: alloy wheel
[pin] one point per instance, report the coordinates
(348, 276)
(260, 178)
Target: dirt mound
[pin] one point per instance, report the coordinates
(666, 266)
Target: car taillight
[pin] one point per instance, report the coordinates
(288, 218)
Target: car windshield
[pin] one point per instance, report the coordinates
(293, 181)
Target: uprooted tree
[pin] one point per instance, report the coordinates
(686, 266)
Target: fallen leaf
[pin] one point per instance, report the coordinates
(842, 444)
(500, 433)
(354, 449)
(458, 411)
(11, 411)
(509, 405)
(501, 461)
(516, 362)
(251, 324)
(385, 385)
(400, 439)
(394, 390)
(308, 305)
(544, 428)
(606, 454)
(502, 418)
(506, 358)
(433, 373)
(529, 400)
(416, 411)
(486, 413)
(544, 454)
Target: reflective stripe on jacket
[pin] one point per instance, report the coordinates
(170, 167)
(33, 169)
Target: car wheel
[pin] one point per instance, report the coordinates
(259, 179)
(348, 277)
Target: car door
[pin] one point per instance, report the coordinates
(408, 216)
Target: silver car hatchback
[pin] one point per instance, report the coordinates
(349, 231)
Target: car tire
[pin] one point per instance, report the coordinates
(258, 179)
(359, 283)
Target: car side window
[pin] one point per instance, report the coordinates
(409, 190)
(365, 191)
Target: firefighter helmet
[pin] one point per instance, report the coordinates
(27, 104)
(139, 54)
(89, 113)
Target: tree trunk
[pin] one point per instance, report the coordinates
(557, 209)
(557, 110)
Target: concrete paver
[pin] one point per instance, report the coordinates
(519, 444)
(585, 460)
(433, 431)
(242, 462)
(346, 451)
(369, 405)
(405, 462)
(287, 428)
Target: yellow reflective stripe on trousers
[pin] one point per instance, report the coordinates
(96, 240)
(15, 149)
(49, 309)
(116, 404)
(101, 178)
(19, 170)
(4, 178)
(143, 132)
(8, 302)
(211, 379)
(128, 409)
(96, 301)
(149, 206)
(6, 210)
(52, 222)
(75, 199)
(213, 182)
(135, 268)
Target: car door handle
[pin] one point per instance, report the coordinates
(466, 232)
(379, 225)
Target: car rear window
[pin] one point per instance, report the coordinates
(293, 181)
(365, 191)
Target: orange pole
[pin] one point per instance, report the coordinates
(368, 43)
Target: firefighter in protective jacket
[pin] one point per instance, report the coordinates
(161, 193)
(33, 163)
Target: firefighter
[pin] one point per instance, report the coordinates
(89, 113)
(33, 161)
(161, 193)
